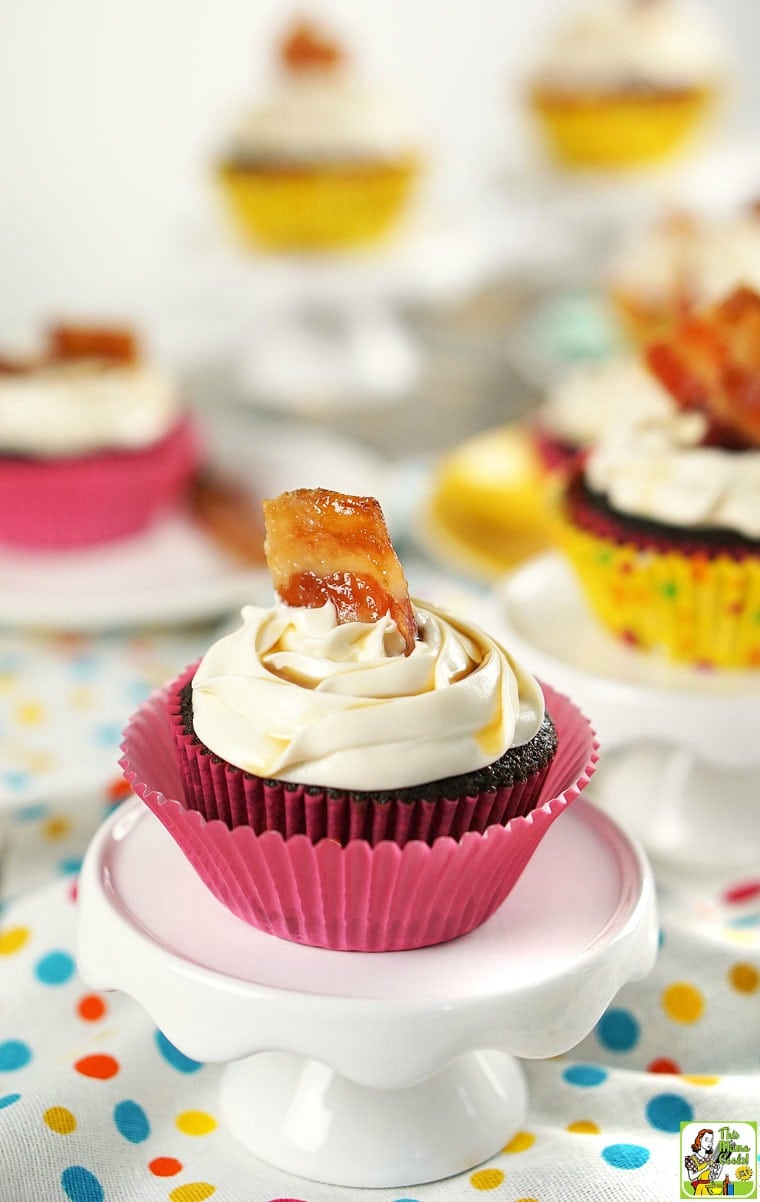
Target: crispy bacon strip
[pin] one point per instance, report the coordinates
(326, 546)
(70, 342)
(711, 362)
(306, 47)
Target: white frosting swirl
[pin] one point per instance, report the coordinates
(590, 398)
(79, 408)
(701, 259)
(656, 469)
(319, 115)
(619, 43)
(295, 696)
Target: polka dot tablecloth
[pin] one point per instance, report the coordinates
(96, 1104)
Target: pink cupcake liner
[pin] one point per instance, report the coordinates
(89, 499)
(217, 789)
(356, 897)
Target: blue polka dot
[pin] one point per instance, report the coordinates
(16, 780)
(666, 1112)
(174, 1057)
(131, 1122)
(56, 968)
(137, 691)
(84, 667)
(70, 865)
(14, 1054)
(618, 1031)
(746, 920)
(625, 1156)
(31, 813)
(585, 1075)
(9, 1099)
(108, 735)
(80, 1185)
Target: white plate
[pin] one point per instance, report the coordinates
(172, 572)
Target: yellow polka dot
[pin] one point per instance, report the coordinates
(744, 978)
(56, 828)
(7, 681)
(700, 1079)
(60, 1120)
(195, 1122)
(30, 713)
(38, 761)
(520, 1142)
(745, 938)
(486, 1179)
(583, 1127)
(194, 1191)
(12, 940)
(683, 1002)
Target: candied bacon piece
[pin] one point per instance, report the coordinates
(306, 47)
(327, 546)
(71, 342)
(711, 362)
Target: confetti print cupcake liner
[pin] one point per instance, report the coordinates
(700, 608)
(317, 207)
(219, 790)
(57, 503)
(357, 897)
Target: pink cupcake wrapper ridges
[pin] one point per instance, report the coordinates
(356, 897)
(89, 499)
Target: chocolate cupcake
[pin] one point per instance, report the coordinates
(347, 744)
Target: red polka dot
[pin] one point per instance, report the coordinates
(91, 1007)
(663, 1065)
(165, 1166)
(118, 789)
(737, 894)
(74, 890)
(100, 1067)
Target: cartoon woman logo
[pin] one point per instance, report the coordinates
(704, 1165)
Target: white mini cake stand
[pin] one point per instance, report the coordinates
(370, 1069)
(680, 746)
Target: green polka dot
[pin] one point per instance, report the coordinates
(670, 591)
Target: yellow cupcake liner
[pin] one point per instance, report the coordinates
(696, 608)
(488, 509)
(317, 207)
(621, 130)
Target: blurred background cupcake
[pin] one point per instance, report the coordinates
(662, 520)
(323, 162)
(625, 83)
(95, 443)
(682, 262)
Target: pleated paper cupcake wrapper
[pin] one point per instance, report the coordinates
(218, 790)
(619, 131)
(699, 608)
(317, 207)
(358, 897)
(90, 499)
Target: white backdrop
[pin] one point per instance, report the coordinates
(110, 111)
